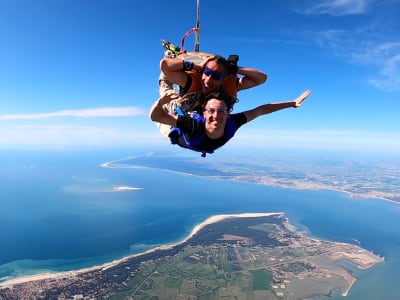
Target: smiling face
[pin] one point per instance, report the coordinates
(216, 114)
(212, 78)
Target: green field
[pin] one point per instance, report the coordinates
(261, 280)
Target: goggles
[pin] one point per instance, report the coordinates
(214, 75)
(212, 111)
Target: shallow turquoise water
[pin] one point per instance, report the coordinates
(60, 212)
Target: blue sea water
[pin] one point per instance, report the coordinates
(59, 211)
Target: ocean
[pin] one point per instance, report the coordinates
(61, 210)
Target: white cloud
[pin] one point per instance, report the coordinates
(341, 7)
(372, 41)
(386, 56)
(388, 142)
(358, 48)
(80, 113)
(390, 75)
(76, 136)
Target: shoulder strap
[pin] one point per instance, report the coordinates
(175, 134)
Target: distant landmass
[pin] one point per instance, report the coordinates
(245, 256)
(361, 176)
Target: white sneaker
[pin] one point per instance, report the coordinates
(169, 54)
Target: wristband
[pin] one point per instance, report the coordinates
(187, 65)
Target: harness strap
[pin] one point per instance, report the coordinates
(184, 38)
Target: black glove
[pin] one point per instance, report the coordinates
(232, 64)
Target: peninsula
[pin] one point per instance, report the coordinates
(247, 256)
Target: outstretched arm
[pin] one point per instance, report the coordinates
(272, 107)
(159, 114)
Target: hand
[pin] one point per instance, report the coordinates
(186, 97)
(205, 62)
(299, 100)
(169, 96)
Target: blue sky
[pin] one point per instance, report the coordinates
(79, 73)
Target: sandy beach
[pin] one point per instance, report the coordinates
(346, 292)
(197, 228)
(125, 188)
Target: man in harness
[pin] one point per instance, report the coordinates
(212, 128)
(210, 74)
(203, 73)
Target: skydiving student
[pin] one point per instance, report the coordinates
(214, 126)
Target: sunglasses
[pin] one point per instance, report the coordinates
(214, 75)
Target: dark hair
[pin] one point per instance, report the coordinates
(221, 95)
(219, 59)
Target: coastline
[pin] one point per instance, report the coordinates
(273, 182)
(59, 275)
(301, 185)
(346, 292)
